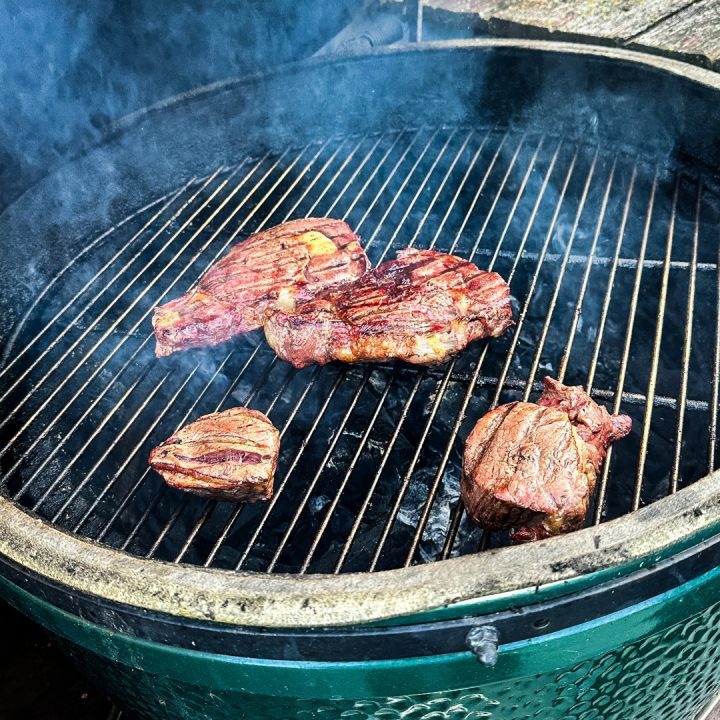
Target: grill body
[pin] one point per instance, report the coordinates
(655, 659)
(570, 169)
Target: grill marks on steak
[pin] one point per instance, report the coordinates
(272, 269)
(229, 455)
(423, 307)
(533, 466)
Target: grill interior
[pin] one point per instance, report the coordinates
(614, 270)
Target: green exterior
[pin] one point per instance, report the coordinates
(659, 659)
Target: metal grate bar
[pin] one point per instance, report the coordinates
(156, 234)
(29, 344)
(436, 195)
(316, 373)
(383, 397)
(274, 360)
(358, 170)
(378, 166)
(210, 505)
(148, 399)
(414, 200)
(561, 276)
(461, 185)
(602, 486)
(115, 324)
(586, 277)
(351, 466)
(624, 263)
(339, 171)
(399, 192)
(386, 454)
(440, 396)
(58, 446)
(389, 178)
(541, 258)
(511, 215)
(406, 408)
(168, 526)
(629, 398)
(328, 453)
(687, 344)
(632, 312)
(655, 353)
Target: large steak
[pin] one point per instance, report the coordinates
(423, 307)
(532, 466)
(272, 269)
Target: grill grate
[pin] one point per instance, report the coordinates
(614, 269)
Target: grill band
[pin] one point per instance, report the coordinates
(375, 643)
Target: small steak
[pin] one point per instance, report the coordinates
(272, 269)
(532, 466)
(423, 307)
(230, 455)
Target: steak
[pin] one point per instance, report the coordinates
(532, 466)
(230, 455)
(272, 269)
(423, 307)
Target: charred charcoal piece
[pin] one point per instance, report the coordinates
(230, 455)
(272, 269)
(532, 466)
(424, 307)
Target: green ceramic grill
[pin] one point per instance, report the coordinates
(588, 178)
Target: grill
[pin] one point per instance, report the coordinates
(361, 589)
(606, 255)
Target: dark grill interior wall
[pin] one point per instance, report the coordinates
(69, 68)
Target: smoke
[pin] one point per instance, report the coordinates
(70, 68)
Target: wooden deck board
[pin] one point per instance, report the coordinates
(694, 32)
(689, 29)
(600, 18)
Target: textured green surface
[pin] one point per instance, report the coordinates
(659, 659)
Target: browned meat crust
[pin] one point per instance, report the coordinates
(272, 269)
(532, 466)
(229, 455)
(423, 307)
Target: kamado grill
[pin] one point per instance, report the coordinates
(587, 178)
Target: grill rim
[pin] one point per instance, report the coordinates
(515, 575)
(616, 547)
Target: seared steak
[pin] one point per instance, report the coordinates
(229, 455)
(532, 466)
(423, 307)
(272, 269)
